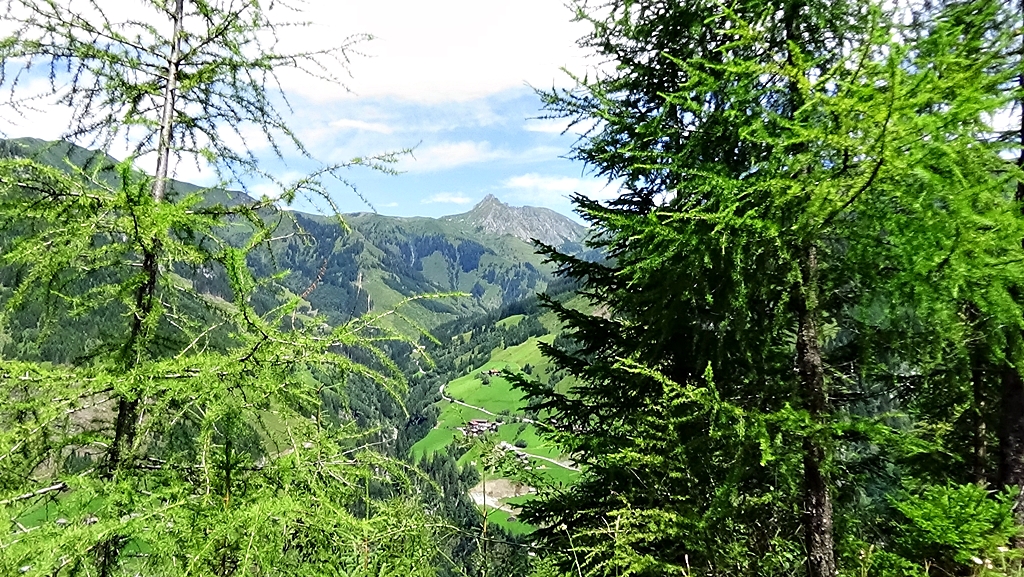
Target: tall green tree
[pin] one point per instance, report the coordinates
(800, 182)
(1011, 395)
(193, 438)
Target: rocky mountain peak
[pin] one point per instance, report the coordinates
(492, 216)
(490, 200)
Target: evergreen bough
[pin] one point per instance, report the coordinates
(811, 195)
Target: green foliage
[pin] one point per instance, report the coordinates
(343, 270)
(192, 435)
(950, 527)
(810, 201)
(203, 65)
(944, 529)
(233, 465)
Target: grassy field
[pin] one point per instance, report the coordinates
(507, 404)
(501, 518)
(496, 397)
(511, 321)
(452, 416)
(499, 397)
(524, 354)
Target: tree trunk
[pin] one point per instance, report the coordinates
(1011, 437)
(980, 367)
(163, 153)
(980, 427)
(126, 423)
(817, 513)
(817, 500)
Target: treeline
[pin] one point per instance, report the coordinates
(48, 331)
(461, 346)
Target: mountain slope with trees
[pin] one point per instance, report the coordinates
(801, 356)
(191, 435)
(374, 262)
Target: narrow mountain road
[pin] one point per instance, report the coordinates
(444, 396)
(441, 392)
(556, 462)
(561, 464)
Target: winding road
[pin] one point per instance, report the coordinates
(444, 396)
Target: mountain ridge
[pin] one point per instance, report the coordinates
(378, 263)
(527, 223)
(490, 215)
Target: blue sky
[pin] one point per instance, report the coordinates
(462, 151)
(449, 78)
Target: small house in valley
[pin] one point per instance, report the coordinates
(480, 426)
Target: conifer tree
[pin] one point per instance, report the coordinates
(800, 184)
(1011, 393)
(193, 439)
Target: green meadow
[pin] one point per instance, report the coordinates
(495, 394)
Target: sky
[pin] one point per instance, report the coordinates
(453, 80)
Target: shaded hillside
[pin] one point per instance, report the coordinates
(468, 384)
(400, 257)
(67, 157)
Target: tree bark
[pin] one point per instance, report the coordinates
(980, 368)
(980, 427)
(817, 499)
(126, 423)
(1011, 437)
(163, 154)
(817, 507)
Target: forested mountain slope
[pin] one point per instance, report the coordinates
(465, 412)
(381, 260)
(374, 263)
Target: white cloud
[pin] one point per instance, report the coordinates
(534, 186)
(447, 155)
(539, 154)
(267, 189)
(194, 171)
(444, 50)
(246, 136)
(426, 52)
(559, 125)
(42, 118)
(447, 198)
(547, 125)
(362, 125)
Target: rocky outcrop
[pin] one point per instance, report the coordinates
(523, 222)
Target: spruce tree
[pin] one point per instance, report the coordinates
(193, 438)
(800, 182)
(1011, 392)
